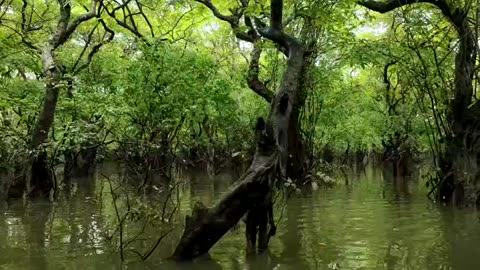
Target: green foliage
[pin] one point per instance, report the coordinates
(19, 100)
(183, 93)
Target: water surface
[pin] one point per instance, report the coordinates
(374, 222)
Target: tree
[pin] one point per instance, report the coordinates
(38, 179)
(250, 32)
(458, 162)
(251, 193)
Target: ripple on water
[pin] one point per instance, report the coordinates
(371, 224)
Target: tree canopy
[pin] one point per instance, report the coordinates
(190, 78)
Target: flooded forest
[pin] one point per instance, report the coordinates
(242, 134)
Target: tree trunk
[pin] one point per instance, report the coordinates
(296, 150)
(86, 160)
(207, 225)
(459, 163)
(39, 179)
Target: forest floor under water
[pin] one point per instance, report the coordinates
(371, 221)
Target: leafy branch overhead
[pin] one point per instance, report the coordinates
(256, 30)
(129, 10)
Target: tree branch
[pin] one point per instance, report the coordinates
(124, 24)
(386, 80)
(65, 29)
(251, 36)
(84, 17)
(253, 81)
(5, 9)
(384, 7)
(130, 16)
(233, 20)
(98, 46)
(140, 8)
(279, 37)
(388, 84)
(87, 43)
(276, 14)
(275, 31)
(22, 36)
(24, 19)
(171, 31)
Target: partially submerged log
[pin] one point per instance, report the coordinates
(251, 193)
(206, 226)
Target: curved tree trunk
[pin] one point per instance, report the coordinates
(296, 150)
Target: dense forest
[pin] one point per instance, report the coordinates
(285, 93)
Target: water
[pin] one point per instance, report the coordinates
(374, 222)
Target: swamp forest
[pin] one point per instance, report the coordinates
(239, 134)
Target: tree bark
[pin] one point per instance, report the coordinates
(296, 148)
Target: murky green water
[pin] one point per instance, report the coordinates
(374, 222)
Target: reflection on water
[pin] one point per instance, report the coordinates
(374, 222)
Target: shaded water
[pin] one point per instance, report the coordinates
(374, 222)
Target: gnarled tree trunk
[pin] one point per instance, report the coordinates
(207, 225)
(296, 148)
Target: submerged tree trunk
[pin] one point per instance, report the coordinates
(252, 191)
(206, 226)
(87, 159)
